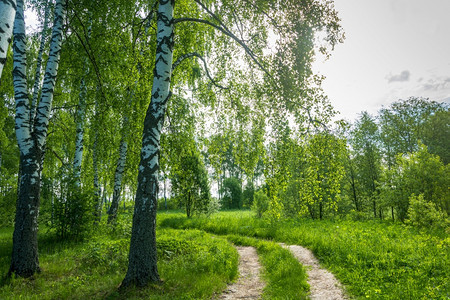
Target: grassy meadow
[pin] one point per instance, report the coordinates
(373, 260)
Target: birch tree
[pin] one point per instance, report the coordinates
(31, 141)
(7, 14)
(294, 21)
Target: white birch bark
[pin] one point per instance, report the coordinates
(44, 106)
(78, 158)
(142, 267)
(22, 119)
(37, 77)
(24, 261)
(112, 212)
(79, 133)
(97, 192)
(7, 15)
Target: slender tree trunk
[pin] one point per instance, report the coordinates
(374, 208)
(188, 205)
(118, 174)
(7, 15)
(78, 157)
(392, 212)
(320, 210)
(112, 212)
(81, 111)
(142, 267)
(24, 261)
(165, 196)
(37, 76)
(97, 192)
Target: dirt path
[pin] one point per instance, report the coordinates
(324, 286)
(249, 284)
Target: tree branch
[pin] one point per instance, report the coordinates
(195, 54)
(225, 31)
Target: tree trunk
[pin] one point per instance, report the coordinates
(142, 267)
(188, 205)
(78, 157)
(112, 212)
(7, 15)
(320, 210)
(24, 261)
(81, 111)
(37, 76)
(165, 196)
(97, 193)
(374, 208)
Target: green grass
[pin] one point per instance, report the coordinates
(372, 259)
(192, 265)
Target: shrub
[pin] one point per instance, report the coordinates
(72, 212)
(424, 213)
(260, 203)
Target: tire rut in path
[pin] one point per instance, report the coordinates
(249, 284)
(323, 284)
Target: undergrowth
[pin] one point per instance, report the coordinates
(192, 265)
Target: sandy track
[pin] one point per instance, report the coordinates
(249, 284)
(323, 284)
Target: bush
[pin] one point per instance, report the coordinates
(260, 203)
(72, 212)
(423, 213)
(171, 204)
(8, 208)
(232, 193)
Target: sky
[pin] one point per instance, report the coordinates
(394, 49)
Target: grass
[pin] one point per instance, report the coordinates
(192, 265)
(373, 260)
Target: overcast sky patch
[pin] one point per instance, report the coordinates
(403, 76)
(441, 83)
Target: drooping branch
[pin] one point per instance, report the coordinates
(225, 31)
(147, 20)
(195, 54)
(88, 49)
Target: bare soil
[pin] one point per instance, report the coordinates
(323, 284)
(249, 284)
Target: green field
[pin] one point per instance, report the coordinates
(373, 260)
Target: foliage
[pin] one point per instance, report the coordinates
(260, 203)
(417, 173)
(231, 193)
(366, 160)
(320, 189)
(72, 213)
(404, 123)
(424, 213)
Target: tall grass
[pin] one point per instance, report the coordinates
(372, 259)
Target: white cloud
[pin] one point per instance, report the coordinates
(403, 76)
